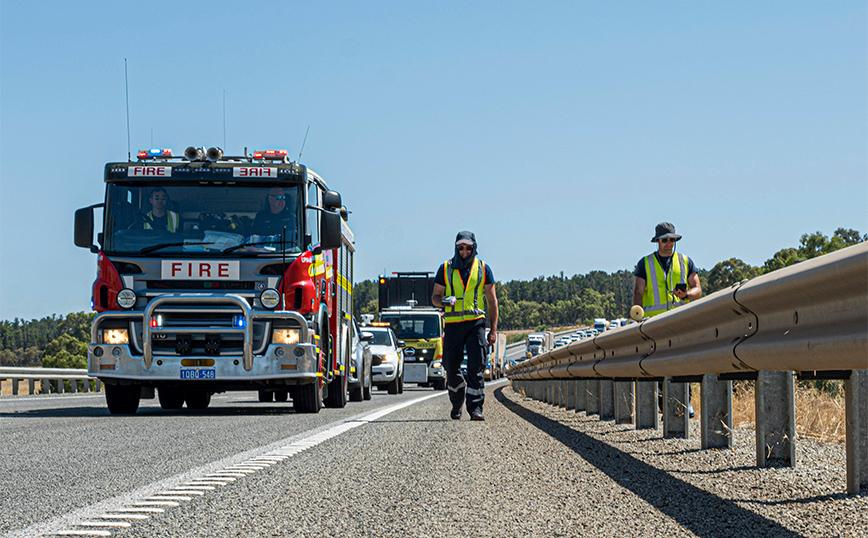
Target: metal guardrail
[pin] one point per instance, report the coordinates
(45, 375)
(810, 318)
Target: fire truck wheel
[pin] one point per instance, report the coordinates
(307, 398)
(123, 399)
(439, 384)
(170, 398)
(197, 398)
(266, 396)
(337, 395)
(281, 395)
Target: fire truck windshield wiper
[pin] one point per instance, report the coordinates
(154, 248)
(255, 243)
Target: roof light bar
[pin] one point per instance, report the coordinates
(154, 153)
(270, 154)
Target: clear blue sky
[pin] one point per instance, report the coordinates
(559, 132)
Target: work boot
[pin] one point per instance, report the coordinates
(455, 414)
(690, 411)
(476, 414)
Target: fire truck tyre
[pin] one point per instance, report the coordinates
(266, 396)
(123, 399)
(439, 384)
(393, 386)
(307, 398)
(337, 396)
(197, 398)
(281, 395)
(170, 398)
(356, 394)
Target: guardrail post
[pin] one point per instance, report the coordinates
(624, 402)
(607, 399)
(571, 394)
(564, 392)
(14, 387)
(856, 394)
(32, 385)
(676, 420)
(715, 412)
(73, 384)
(46, 387)
(647, 414)
(581, 395)
(592, 399)
(775, 418)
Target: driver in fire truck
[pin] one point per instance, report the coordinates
(159, 218)
(280, 212)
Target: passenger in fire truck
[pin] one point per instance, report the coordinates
(279, 212)
(159, 218)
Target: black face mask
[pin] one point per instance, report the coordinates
(457, 261)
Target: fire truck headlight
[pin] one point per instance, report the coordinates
(284, 336)
(270, 298)
(115, 336)
(126, 298)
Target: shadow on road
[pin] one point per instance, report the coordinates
(697, 510)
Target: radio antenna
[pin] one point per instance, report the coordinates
(127, 85)
(224, 120)
(302, 143)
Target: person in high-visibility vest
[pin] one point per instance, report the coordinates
(665, 279)
(464, 288)
(158, 218)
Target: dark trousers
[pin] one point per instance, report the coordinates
(466, 336)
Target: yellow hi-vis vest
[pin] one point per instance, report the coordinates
(171, 221)
(466, 308)
(658, 297)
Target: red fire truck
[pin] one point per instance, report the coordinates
(218, 273)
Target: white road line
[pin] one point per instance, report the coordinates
(159, 493)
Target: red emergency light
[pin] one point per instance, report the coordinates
(270, 154)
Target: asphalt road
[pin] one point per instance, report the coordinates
(64, 453)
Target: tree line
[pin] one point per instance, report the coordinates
(554, 301)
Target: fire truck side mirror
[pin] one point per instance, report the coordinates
(84, 228)
(330, 230)
(331, 200)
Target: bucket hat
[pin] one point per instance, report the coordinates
(665, 230)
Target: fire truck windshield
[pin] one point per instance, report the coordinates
(413, 326)
(237, 220)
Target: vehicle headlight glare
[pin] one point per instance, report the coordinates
(284, 336)
(126, 298)
(390, 357)
(115, 336)
(436, 364)
(270, 298)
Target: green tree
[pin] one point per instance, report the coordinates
(729, 272)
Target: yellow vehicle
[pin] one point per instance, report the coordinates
(419, 327)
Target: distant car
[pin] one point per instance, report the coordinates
(560, 343)
(361, 375)
(388, 360)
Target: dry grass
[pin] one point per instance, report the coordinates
(819, 416)
(23, 387)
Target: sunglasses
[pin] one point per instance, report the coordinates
(464, 247)
(666, 240)
(277, 197)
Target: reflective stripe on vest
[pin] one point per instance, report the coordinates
(463, 310)
(171, 221)
(658, 297)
